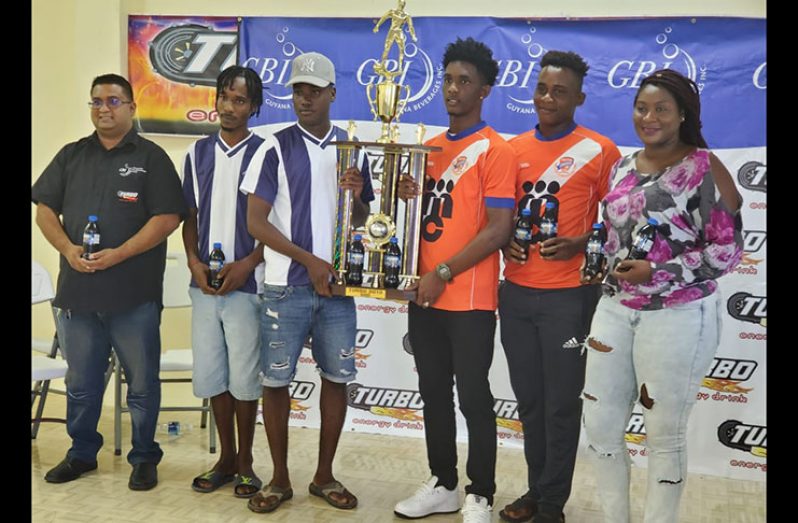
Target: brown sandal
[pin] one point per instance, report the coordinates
(272, 496)
(333, 487)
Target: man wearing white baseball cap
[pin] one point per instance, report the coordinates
(292, 184)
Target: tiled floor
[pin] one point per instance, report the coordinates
(379, 469)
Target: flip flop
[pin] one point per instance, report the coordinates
(214, 477)
(269, 492)
(247, 481)
(324, 491)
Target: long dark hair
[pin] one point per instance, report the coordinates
(685, 91)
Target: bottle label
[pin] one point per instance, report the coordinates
(548, 228)
(173, 428)
(392, 261)
(643, 244)
(595, 247)
(90, 238)
(356, 258)
(216, 265)
(523, 234)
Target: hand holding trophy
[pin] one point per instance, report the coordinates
(380, 252)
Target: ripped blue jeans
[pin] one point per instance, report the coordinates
(658, 358)
(288, 316)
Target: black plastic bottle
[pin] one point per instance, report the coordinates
(548, 223)
(354, 270)
(392, 264)
(216, 263)
(91, 237)
(644, 240)
(523, 230)
(594, 251)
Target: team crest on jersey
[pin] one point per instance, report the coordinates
(459, 165)
(564, 165)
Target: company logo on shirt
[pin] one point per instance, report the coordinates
(127, 170)
(565, 165)
(460, 165)
(436, 205)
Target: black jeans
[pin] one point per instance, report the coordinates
(451, 346)
(542, 331)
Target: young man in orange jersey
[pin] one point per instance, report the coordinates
(545, 312)
(467, 215)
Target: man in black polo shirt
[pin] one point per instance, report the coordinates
(113, 298)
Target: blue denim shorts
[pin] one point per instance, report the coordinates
(225, 338)
(289, 314)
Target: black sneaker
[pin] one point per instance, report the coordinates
(68, 470)
(143, 477)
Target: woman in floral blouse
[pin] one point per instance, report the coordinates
(656, 329)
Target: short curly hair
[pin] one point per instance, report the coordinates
(566, 60)
(475, 53)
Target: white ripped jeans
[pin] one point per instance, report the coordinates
(668, 351)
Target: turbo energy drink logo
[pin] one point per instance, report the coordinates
(299, 391)
(418, 72)
(752, 243)
(400, 404)
(745, 306)
(725, 377)
(193, 54)
(753, 176)
(747, 438)
(636, 433)
(629, 73)
(507, 418)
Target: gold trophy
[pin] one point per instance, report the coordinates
(411, 159)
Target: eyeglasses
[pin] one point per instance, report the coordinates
(112, 102)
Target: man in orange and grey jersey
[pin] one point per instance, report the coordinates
(467, 211)
(545, 312)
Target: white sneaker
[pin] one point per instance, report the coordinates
(476, 509)
(427, 500)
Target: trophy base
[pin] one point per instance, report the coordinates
(355, 291)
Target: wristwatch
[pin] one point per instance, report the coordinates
(444, 272)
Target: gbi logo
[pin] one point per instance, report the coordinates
(745, 306)
(753, 176)
(740, 436)
(193, 54)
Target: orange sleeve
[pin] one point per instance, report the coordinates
(500, 171)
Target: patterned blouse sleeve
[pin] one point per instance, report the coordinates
(719, 245)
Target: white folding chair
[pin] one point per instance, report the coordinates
(49, 367)
(176, 280)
